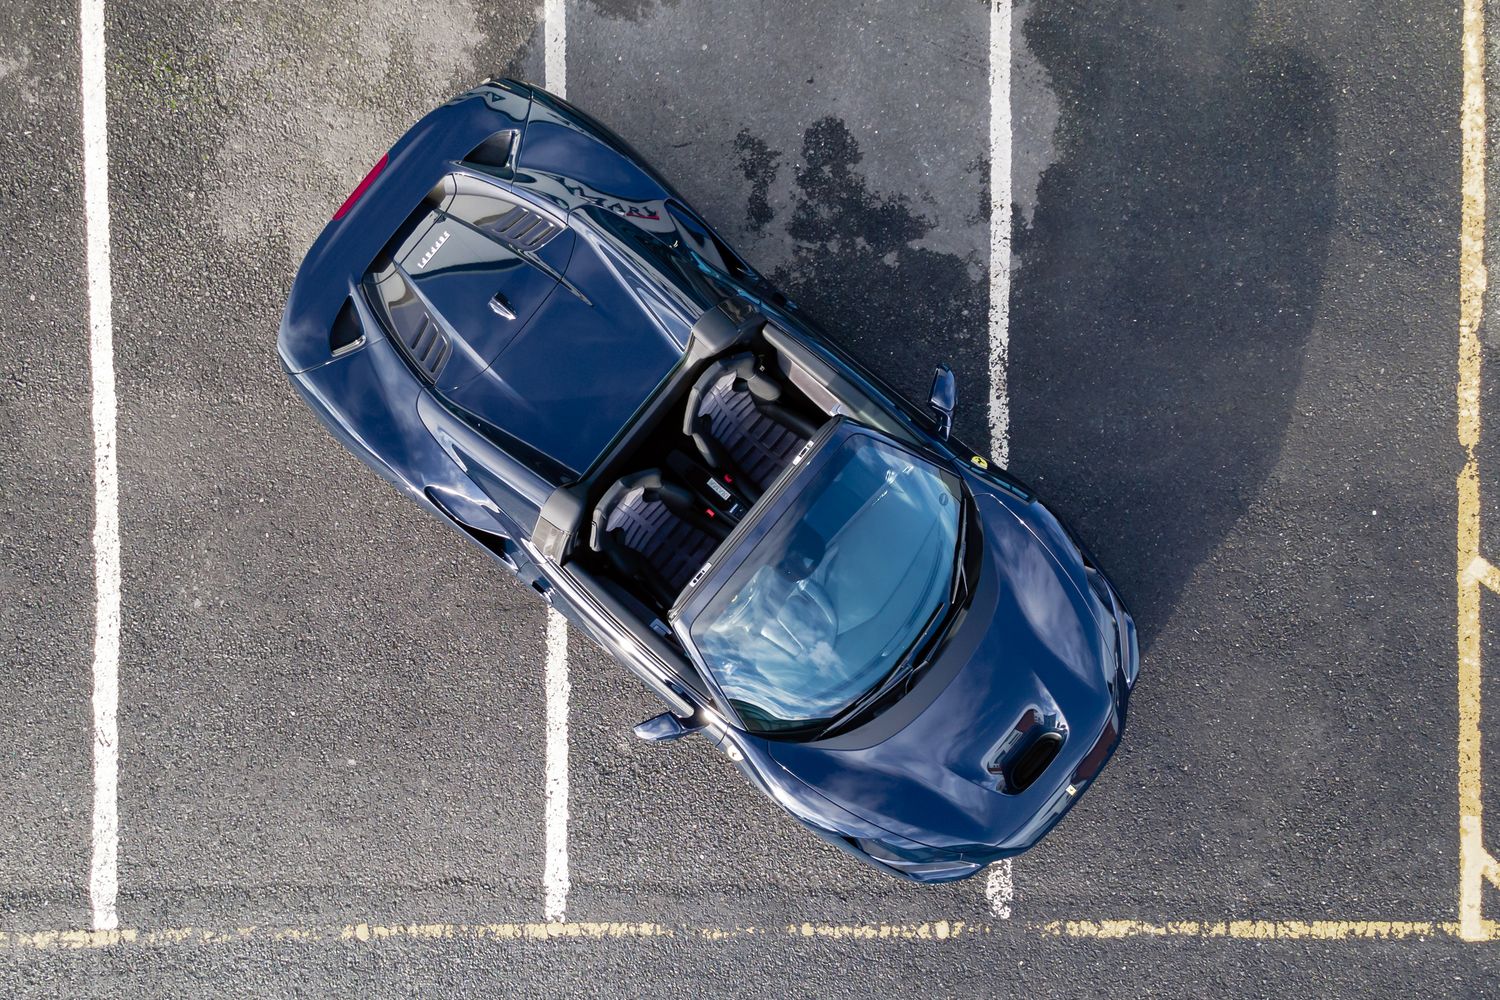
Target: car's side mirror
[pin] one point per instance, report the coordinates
(944, 395)
(664, 727)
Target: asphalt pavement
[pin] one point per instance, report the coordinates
(1233, 352)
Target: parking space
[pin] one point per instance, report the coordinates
(1232, 327)
(1236, 373)
(327, 703)
(860, 190)
(46, 490)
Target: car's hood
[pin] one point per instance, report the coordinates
(1030, 642)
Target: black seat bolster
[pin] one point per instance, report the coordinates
(742, 365)
(600, 517)
(718, 458)
(795, 422)
(632, 566)
(647, 479)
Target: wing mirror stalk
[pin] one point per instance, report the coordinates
(944, 396)
(666, 726)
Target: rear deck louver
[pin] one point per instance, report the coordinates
(428, 346)
(521, 228)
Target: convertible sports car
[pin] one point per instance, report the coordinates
(522, 327)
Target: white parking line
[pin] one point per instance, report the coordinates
(999, 314)
(555, 870)
(555, 880)
(1000, 887)
(555, 46)
(103, 866)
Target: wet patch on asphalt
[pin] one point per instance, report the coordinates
(759, 164)
(856, 266)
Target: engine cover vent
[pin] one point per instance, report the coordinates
(521, 228)
(428, 346)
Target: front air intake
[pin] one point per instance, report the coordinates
(1027, 765)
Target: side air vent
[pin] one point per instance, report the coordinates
(521, 228)
(346, 333)
(428, 346)
(1096, 584)
(494, 152)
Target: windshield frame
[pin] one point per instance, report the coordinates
(742, 543)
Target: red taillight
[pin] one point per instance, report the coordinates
(360, 189)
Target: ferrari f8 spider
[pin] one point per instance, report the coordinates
(522, 327)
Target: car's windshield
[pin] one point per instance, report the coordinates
(837, 590)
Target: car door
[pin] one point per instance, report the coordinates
(490, 494)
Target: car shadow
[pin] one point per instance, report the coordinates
(1167, 286)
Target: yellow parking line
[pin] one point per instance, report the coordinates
(1256, 930)
(1474, 860)
(351, 933)
(558, 932)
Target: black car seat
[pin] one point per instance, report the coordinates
(654, 532)
(736, 417)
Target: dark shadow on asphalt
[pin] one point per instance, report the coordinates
(1167, 284)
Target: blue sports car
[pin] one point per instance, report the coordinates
(521, 326)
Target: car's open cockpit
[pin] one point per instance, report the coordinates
(741, 425)
(708, 446)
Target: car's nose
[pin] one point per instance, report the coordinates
(1012, 706)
